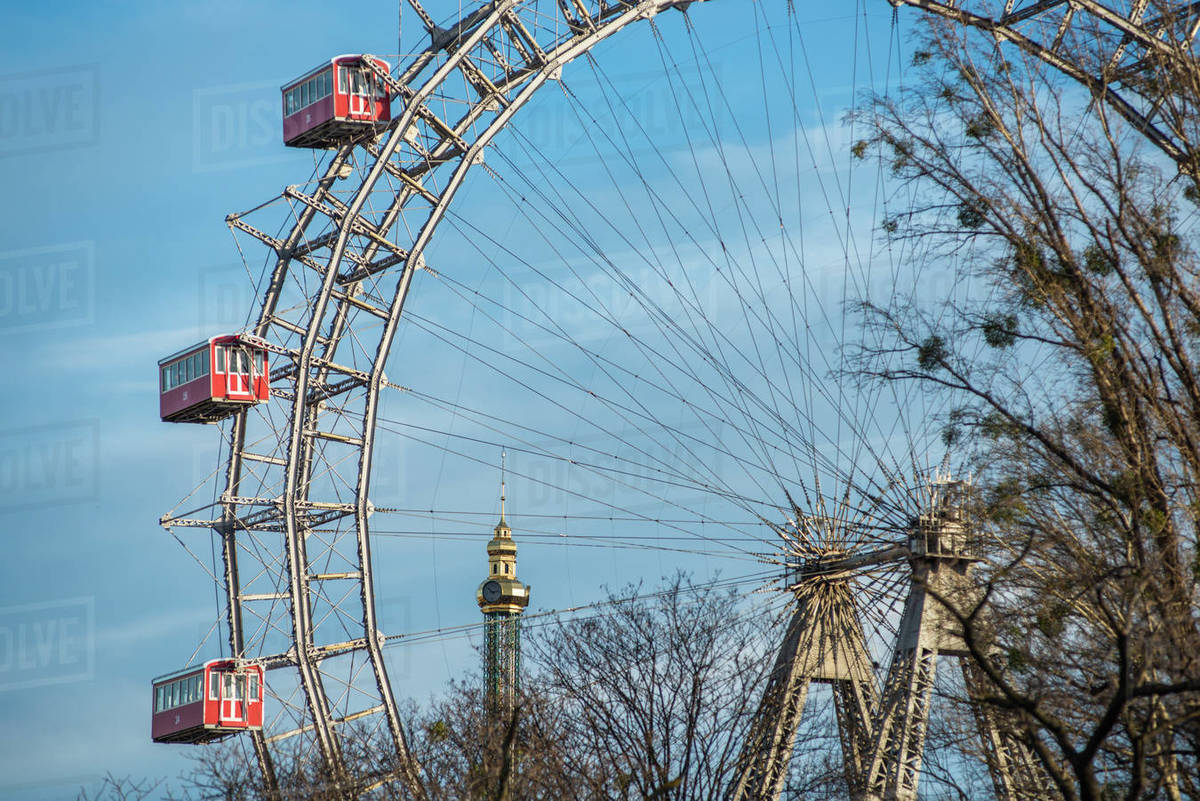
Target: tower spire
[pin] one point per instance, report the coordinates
(503, 455)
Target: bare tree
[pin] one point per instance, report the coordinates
(656, 692)
(469, 755)
(1067, 354)
(644, 697)
(112, 788)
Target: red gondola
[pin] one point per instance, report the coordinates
(212, 380)
(336, 100)
(207, 702)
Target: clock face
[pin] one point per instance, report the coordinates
(491, 592)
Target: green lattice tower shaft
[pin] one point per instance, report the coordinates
(502, 660)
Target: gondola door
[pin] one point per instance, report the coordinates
(362, 104)
(239, 381)
(233, 704)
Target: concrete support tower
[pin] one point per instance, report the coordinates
(502, 598)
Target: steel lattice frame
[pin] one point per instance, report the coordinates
(332, 305)
(297, 574)
(882, 729)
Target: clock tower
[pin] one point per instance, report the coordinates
(502, 598)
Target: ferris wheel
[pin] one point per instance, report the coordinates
(655, 324)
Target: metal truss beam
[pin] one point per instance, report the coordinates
(823, 643)
(900, 731)
(1014, 769)
(942, 551)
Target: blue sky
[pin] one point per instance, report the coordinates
(127, 133)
